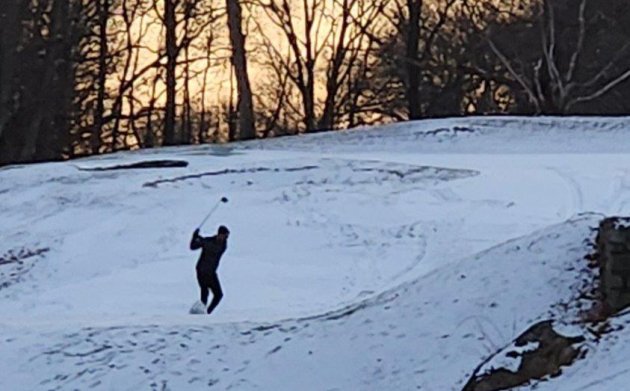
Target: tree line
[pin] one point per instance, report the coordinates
(83, 77)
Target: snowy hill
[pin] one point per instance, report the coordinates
(392, 258)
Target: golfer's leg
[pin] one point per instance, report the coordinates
(203, 286)
(215, 287)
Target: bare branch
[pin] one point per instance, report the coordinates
(605, 89)
(519, 79)
(580, 43)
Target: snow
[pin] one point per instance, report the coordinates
(397, 257)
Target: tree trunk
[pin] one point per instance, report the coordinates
(309, 95)
(327, 122)
(247, 126)
(171, 66)
(412, 47)
(149, 138)
(203, 128)
(46, 122)
(186, 132)
(10, 32)
(103, 18)
(125, 85)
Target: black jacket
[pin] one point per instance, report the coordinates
(211, 252)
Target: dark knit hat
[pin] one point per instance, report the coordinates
(223, 230)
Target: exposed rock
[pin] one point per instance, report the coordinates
(613, 242)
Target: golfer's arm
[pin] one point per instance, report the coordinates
(196, 242)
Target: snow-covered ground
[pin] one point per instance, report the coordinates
(393, 258)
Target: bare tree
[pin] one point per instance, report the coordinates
(556, 76)
(412, 58)
(207, 48)
(11, 16)
(130, 12)
(303, 47)
(40, 48)
(351, 48)
(103, 11)
(170, 26)
(417, 26)
(247, 126)
(321, 51)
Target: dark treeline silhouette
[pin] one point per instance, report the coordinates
(38, 52)
(81, 77)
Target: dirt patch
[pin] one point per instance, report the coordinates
(549, 353)
(228, 171)
(140, 165)
(454, 130)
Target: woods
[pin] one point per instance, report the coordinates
(81, 77)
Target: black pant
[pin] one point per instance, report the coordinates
(209, 280)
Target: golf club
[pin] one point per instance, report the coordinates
(223, 200)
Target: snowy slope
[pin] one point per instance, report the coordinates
(387, 258)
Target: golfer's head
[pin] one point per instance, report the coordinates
(223, 233)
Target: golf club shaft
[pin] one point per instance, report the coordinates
(210, 213)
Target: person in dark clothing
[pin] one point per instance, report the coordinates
(212, 249)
